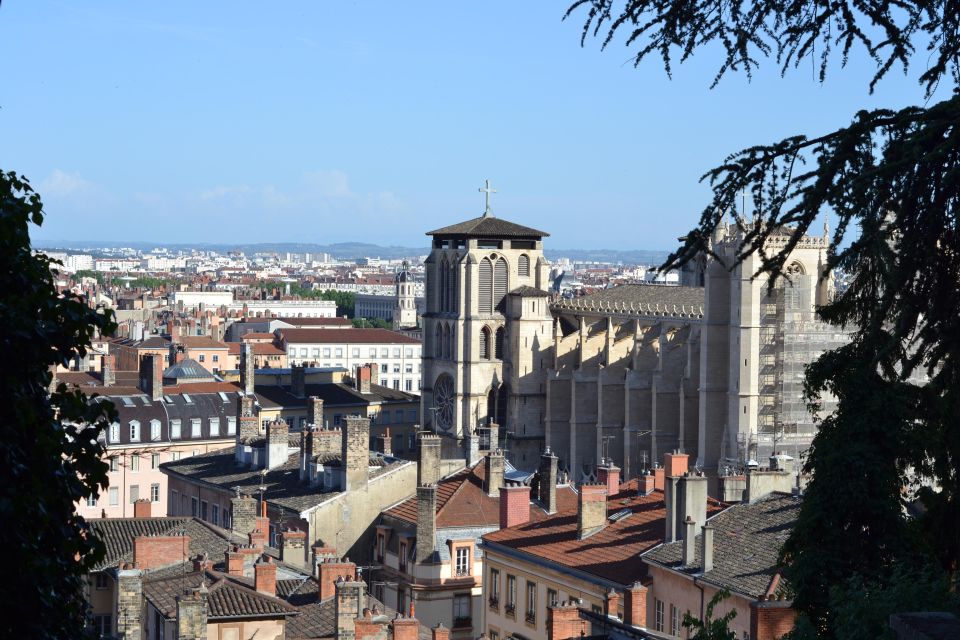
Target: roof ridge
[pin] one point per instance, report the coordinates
(466, 472)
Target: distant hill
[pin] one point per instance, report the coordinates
(354, 250)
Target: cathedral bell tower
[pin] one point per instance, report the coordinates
(471, 328)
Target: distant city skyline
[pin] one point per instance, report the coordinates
(376, 122)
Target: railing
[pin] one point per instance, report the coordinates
(510, 609)
(461, 572)
(463, 622)
(531, 617)
(494, 602)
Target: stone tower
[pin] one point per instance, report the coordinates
(405, 310)
(487, 317)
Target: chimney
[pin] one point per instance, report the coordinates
(151, 376)
(362, 380)
(141, 508)
(689, 541)
(763, 483)
(659, 478)
(706, 549)
(192, 611)
(246, 368)
(329, 571)
(293, 548)
(355, 453)
(306, 452)
(176, 352)
(440, 632)
(202, 563)
(243, 515)
(278, 435)
(675, 464)
(315, 411)
(685, 497)
(613, 604)
(248, 427)
(426, 522)
(494, 431)
(265, 576)
(495, 468)
(609, 475)
(108, 368)
(428, 462)
(635, 605)
(591, 509)
(150, 552)
(383, 443)
(547, 489)
(564, 622)
(298, 380)
(374, 373)
(646, 484)
(405, 628)
(129, 602)
(349, 606)
(471, 441)
(514, 505)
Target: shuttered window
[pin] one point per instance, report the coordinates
(523, 265)
(486, 286)
(499, 283)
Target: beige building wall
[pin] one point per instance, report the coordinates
(677, 593)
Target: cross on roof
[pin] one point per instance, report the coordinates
(487, 190)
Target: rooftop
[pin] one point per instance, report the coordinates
(339, 336)
(488, 227)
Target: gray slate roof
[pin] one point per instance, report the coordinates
(118, 534)
(187, 369)
(527, 291)
(644, 294)
(488, 227)
(746, 545)
(228, 597)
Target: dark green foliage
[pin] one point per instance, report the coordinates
(892, 179)
(372, 323)
(47, 463)
(710, 628)
(344, 299)
(86, 273)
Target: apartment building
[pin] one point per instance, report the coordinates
(397, 355)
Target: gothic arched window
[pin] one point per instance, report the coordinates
(438, 342)
(499, 283)
(452, 287)
(446, 341)
(485, 290)
(485, 343)
(523, 265)
(498, 344)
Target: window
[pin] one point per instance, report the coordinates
(384, 368)
(194, 427)
(175, 455)
(355, 352)
(194, 507)
(396, 368)
(114, 434)
(396, 385)
(154, 460)
(403, 561)
(187, 398)
(134, 493)
(485, 343)
(114, 496)
(102, 625)
(174, 507)
(134, 431)
(326, 352)
(203, 509)
(175, 429)
(463, 561)
(498, 344)
(315, 352)
(461, 610)
(303, 352)
(486, 286)
(214, 427)
(523, 265)
(674, 620)
(91, 501)
(396, 352)
(380, 547)
(135, 463)
(494, 588)
(412, 415)
(408, 385)
(408, 368)
(155, 492)
(338, 352)
(511, 595)
(493, 635)
(231, 425)
(215, 514)
(658, 615)
(216, 358)
(373, 352)
(154, 430)
(384, 353)
(531, 602)
(401, 600)
(552, 597)
(127, 401)
(114, 463)
(100, 580)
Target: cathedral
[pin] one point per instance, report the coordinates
(712, 367)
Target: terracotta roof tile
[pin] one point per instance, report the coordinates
(351, 336)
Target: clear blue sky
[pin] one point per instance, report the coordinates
(328, 121)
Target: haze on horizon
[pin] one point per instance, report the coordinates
(373, 122)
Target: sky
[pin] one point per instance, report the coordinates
(346, 121)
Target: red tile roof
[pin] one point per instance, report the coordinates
(201, 342)
(339, 336)
(463, 502)
(254, 335)
(613, 552)
(259, 348)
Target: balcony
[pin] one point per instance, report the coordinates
(494, 603)
(463, 622)
(531, 617)
(463, 572)
(510, 610)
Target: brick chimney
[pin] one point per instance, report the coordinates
(177, 353)
(471, 440)
(349, 606)
(384, 445)
(315, 412)
(426, 522)
(108, 369)
(151, 376)
(234, 562)
(591, 509)
(494, 472)
(150, 552)
(428, 460)
(659, 478)
(248, 428)
(547, 483)
(635, 605)
(202, 563)
(265, 576)
(514, 505)
(675, 464)
(355, 453)
(192, 612)
(646, 484)
(440, 632)
(329, 570)
(609, 475)
(405, 628)
(564, 622)
(129, 602)
(246, 368)
(278, 436)
(141, 508)
(362, 379)
(293, 548)
(298, 380)
(243, 514)
(613, 604)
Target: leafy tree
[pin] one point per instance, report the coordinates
(711, 628)
(50, 455)
(346, 301)
(892, 178)
(87, 273)
(372, 323)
